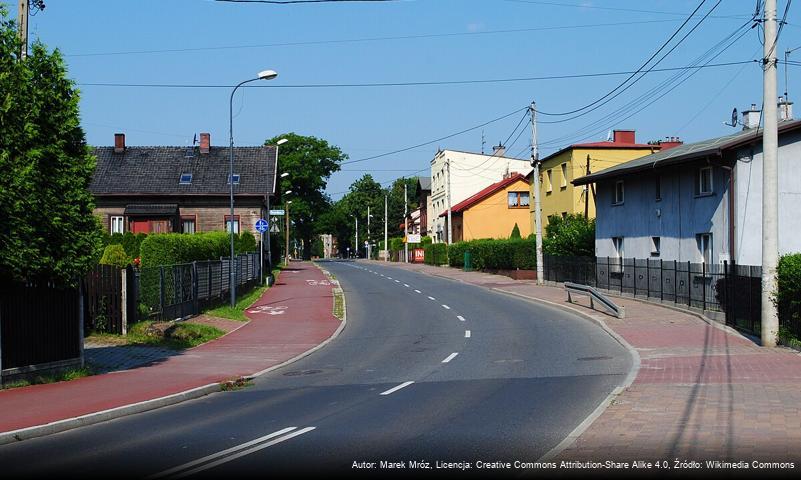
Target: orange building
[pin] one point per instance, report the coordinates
(494, 211)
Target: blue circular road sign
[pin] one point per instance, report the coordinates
(262, 225)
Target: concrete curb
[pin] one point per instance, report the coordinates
(152, 404)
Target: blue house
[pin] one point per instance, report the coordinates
(699, 202)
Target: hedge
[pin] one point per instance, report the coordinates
(176, 248)
(495, 254)
(436, 254)
(788, 294)
(114, 254)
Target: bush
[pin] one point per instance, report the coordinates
(177, 248)
(495, 254)
(515, 233)
(573, 236)
(132, 243)
(788, 293)
(245, 243)
(396, 244)
(436, 254)
(115, 255)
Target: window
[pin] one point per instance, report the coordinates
(188, 224)
(658, 188)
(705, 247)
(228, 222)
(186, 179)
(617, 243)
(704, 186)
(655, 241)
(549, 183)
(518, 199)
(117, 225)
(619, 190)
(564, 176)
(236, 179)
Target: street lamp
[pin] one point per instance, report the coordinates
(288, 203)
(369, 250)
(263, 75)
(269, 239)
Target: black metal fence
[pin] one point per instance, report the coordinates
(177, 291)
(39, 324)
(733, 290)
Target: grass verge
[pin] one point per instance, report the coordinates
(66, 375)
(238, 312)
(177, 336)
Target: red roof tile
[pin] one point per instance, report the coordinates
(476, 198)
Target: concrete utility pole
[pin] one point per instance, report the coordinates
(448, 195)
(357, 235)
(368, 232)
(287, 232)
(535, 162)
(405, 223)
(386, 231)
(23, 28)
(770, 180)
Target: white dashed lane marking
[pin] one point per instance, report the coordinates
(417, 291)
(431, 298)
(467, 334)
(395, 389)
(446, 307)
(461, 318)
(450, 357)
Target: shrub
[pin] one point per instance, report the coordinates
(435, 254)
(176, 248)
(495, 254)
(788, 294)
(515, 233)
(115, 255)
(573, 235)
(132, 243)
(246, 243)
(396, 244)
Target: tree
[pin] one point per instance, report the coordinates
(309, 162)
(395, 194)
(363, 192)
(573, 235)
(48, 231)
(515, 233)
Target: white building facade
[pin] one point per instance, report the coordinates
(467, 173)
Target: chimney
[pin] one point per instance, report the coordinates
(205, 143)
(751, 117)
(624, 136)
(785, 109)
(669, 142)
(119, 142)
(498, 150)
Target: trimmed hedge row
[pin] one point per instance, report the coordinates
(435, 253)
(495, 254)
(788, 277)
(175, 248)
(131, 242)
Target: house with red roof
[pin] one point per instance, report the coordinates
(493, 211)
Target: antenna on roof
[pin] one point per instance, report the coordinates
(190, 151)
(483, 142)
(733, 122)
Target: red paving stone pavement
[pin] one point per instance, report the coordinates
(267, 340)
(702, 392)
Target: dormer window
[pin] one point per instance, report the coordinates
(186, 179)
(236, 179)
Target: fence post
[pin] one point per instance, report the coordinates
(689, 282)
(661, 281)
(703, 286)
(635, 276)
(80, 322)
(195, 289)
(161, 289)
(124, 300)
(727, 297)
(647, 278)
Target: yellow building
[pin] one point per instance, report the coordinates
(494, 211)
(560, 197)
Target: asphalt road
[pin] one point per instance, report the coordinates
(426, 370)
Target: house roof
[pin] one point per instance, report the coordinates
(486, 155)
(158, 170)
(685, 153)
(603, 145)
(424, 183)
(483, 194)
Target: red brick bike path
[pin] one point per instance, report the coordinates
(702, 391)
(288, 320)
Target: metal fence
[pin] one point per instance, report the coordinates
(733, 290)
(176, 291)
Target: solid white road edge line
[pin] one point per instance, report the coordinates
(467, 334)
(395, 389)
(461, 318)
(246, 452)
(221, 453)
(450, 357)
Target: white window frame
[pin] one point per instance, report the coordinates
(700, 180)
(615, 199)
(228, 223)
(705, 247)
(117, 224)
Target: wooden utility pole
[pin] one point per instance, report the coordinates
(23, 28)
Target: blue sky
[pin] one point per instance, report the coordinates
(442, 40)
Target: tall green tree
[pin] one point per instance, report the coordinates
(47, 230)
(395, 195)
(573, 235)
(309, 163)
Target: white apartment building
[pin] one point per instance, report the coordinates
(469, 174)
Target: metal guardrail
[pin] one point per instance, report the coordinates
(609, 305)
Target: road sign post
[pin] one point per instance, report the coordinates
(261, 227)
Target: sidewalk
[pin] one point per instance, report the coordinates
(287, 321)
(702, 392)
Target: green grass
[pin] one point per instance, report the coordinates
(180, 336)
(238, 312)
(66, 375)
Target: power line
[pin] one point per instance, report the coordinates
(407, 84)
(289, 2)
(620, 87)
(365, 39)
(618, 9)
